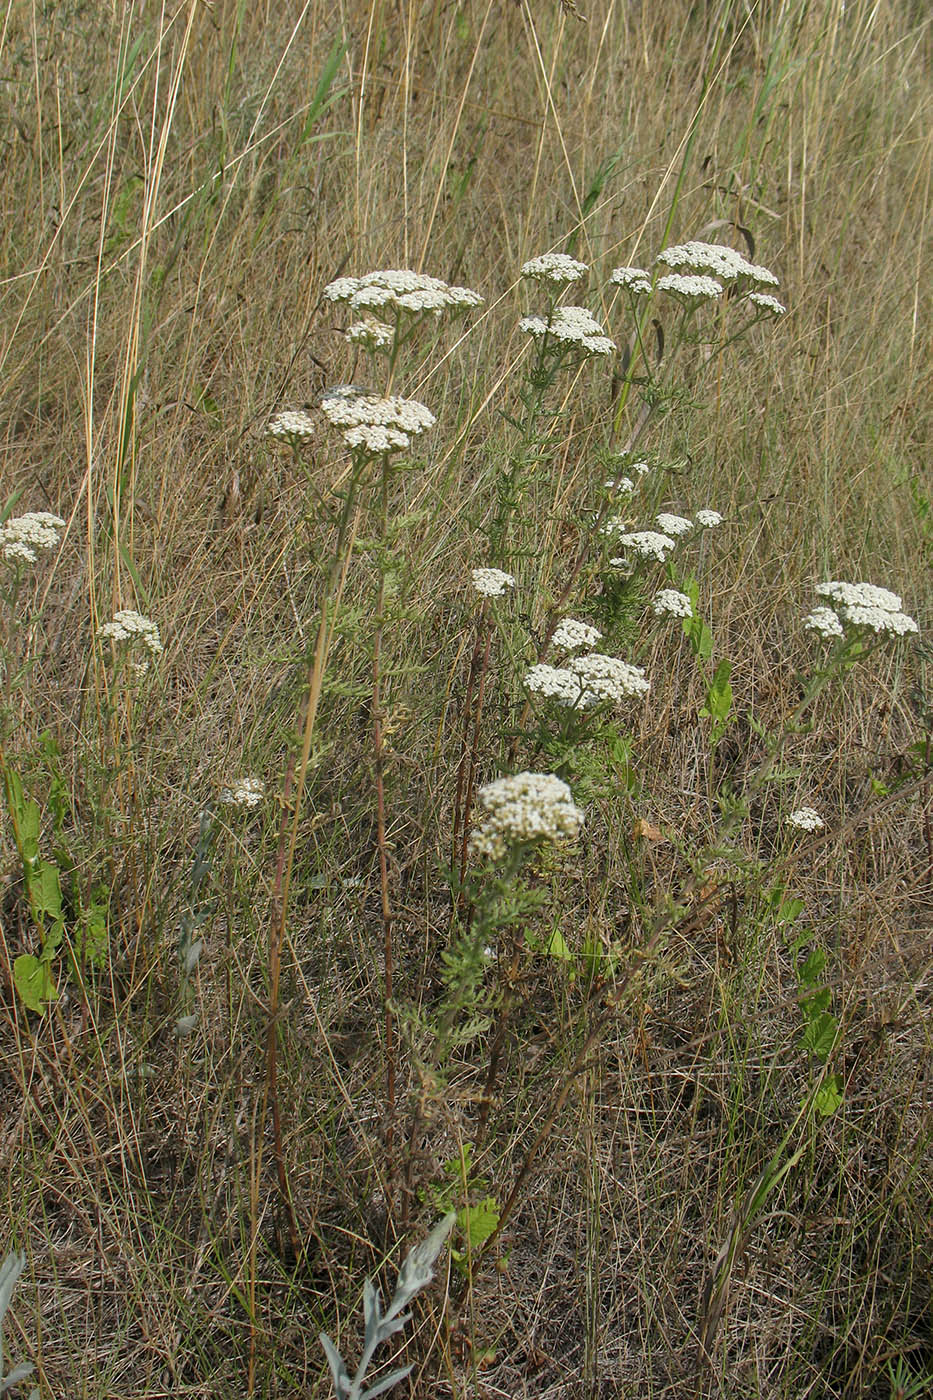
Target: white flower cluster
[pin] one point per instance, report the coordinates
(805, 819)
(244, 792)
(647, 543)
(570, 633)
(716, 258)
(671, 602)
(370, 333)
(621, 485)
(824, 622)
(864, 605)
(293, 425)
(764, 302)
(635, 279)
(609, 678)
(573, 325)
(560, 684)
(24, 536)
(131, 627)
(707, 519)
(640, 468)
(492, 583)
(673, 524)
(399, 290)
(690, 287)
(555, 267)
(379, 425)
(524, 808)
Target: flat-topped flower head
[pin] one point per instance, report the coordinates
(647, 544)
(805, 819)
(690, 288)
(375, 424)
(244, 792)
(866, 605)
(672, 603)
(609, 678)
(716, 258)
(23, 537)
(557, 268)
(673, 524)
(491, 583)
(707, 519)
(560, 684)
(763, 302)
(370, 333)
(570, 325)
(634, 279)
(570, 633)
(620, 485)
(400, 290)
(292, 425)
(825, 623)
(524, 809)
(130, 628)
(639, 468)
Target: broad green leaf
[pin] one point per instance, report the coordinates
(819, 1036)
(828, 1096)
(809, 974)
(478, 1222)
(34, 983)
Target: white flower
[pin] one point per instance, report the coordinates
(867, 605)
(673, 524)
(824, 622)
(292, 424)
(707, 519)
(370, 333)
(492, 583)
(640, 468)
(524, 808)
(22, 537)
(767, 303)
(805, 819)
(555, 267)
(724, 262)
(570, 633)
(245, 792)
(378, 424)
(572, 325)
(672, 602)
(558, 683)
(648, 543)
(610, 678)
(690, 288)
(636, 279)
(622, 485)
(400, 290)
(131, 627)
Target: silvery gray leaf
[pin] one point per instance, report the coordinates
(386, 1384)
(337, 1368)
(10, 1270)
(418, 1269)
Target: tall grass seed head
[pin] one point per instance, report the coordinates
(570, 633)
(557, 268)
(524, 808)
(131, 628)
(491, 583)
(23, 536)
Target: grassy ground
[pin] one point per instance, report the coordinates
(202, 1166)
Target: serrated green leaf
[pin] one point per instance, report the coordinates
(828, 1096)
(34, 983)
(809, 974)
(819, 1036)
(478, 1222)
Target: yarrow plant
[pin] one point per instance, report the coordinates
(244, 792)
(293, 425)
(671, 603)
(24, 537)
(570, 633)
(492, 583)
(557, 268)
(805, 819)
(522, 810)
(129, 628)
(569, 327)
